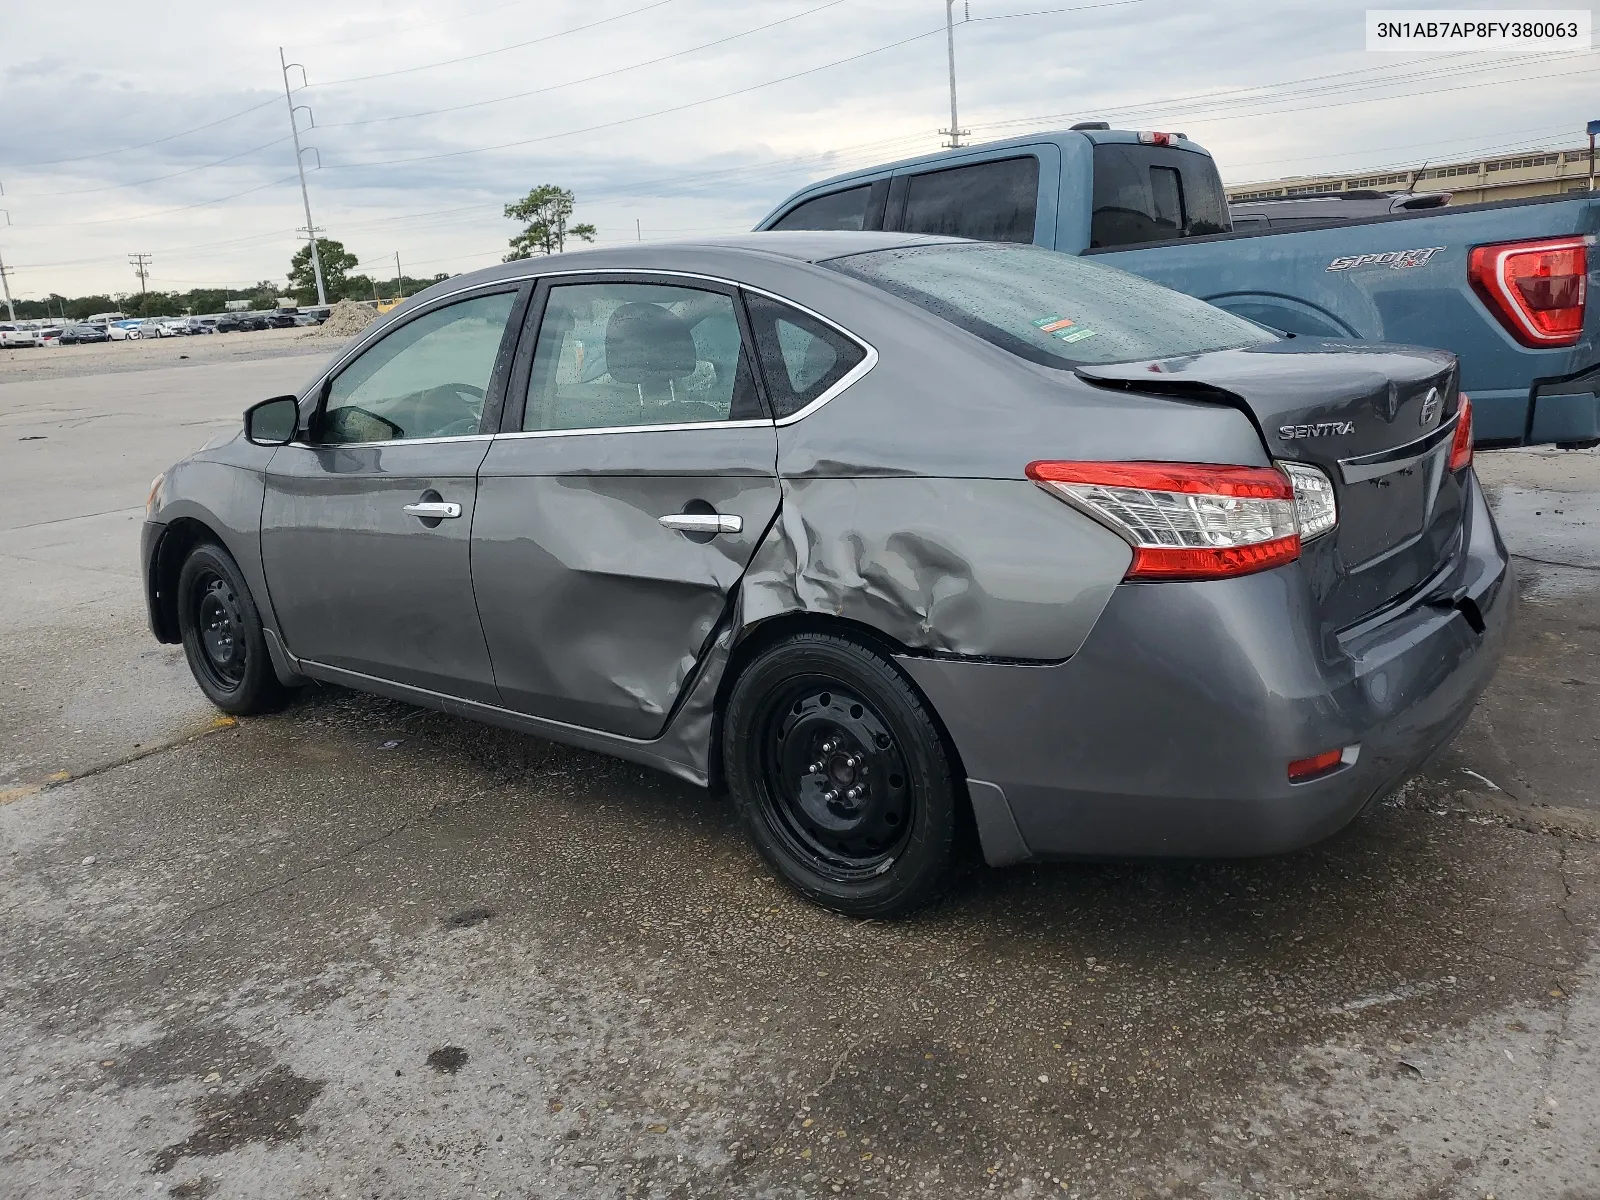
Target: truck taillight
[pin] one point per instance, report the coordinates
(1157, 139)
(1461, 444)
(1536, 289)
(1184, 520)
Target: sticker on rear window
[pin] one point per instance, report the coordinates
(1051, 324)
(1075, 335)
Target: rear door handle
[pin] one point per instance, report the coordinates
(703, 522)
(433, 510)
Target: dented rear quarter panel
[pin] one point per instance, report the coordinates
(906, 506)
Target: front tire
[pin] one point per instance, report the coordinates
(223, 638)
(841, 777)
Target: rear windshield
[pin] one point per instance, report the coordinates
(1154, 194)
(1051, 308)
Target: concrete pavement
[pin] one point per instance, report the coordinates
(358, 949)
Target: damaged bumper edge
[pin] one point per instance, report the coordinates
(1170, 732)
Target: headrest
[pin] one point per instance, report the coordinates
(647, 344)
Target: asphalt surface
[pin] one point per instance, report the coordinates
(359, 949)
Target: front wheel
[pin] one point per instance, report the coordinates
(222, 633)
(841, 776)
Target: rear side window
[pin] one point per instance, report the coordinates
(1055, 309)
(990, 202)
(801, 358)
(1154, 194)
(837, 210)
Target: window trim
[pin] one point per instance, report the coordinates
(517, 382)
(494, 394)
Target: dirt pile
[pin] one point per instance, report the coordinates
(347, 319)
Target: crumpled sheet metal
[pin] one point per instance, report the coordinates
(981, 568)
(989, 568)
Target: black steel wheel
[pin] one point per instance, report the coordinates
(222, 634)
(841, 776)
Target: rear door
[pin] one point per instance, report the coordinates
(634, 476)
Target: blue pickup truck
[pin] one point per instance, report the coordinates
(1503, 285)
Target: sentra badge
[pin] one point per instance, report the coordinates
(1323, 429)
(1389, 258)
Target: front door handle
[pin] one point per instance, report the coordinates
(703, 522)
(433, 510)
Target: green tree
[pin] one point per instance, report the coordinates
(544, 213)
(336, 264)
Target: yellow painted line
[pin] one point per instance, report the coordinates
(57, 778)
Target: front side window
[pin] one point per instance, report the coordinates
(612, 355)
(801, 358)
(1051, 308)
(837, 210)
(991, 202)
(426, 379)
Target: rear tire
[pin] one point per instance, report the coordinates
(869, 832)
(223, 637)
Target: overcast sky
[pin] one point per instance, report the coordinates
(163, 128)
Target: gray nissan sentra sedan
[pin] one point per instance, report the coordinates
(897, 537)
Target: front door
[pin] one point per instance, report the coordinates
(366, 526)
(620, 509)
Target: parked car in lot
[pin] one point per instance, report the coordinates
(78, 335)
(202, 325)
(174, 326)
(124, 330)
(876, 528)
(13, 335)
(50, 335)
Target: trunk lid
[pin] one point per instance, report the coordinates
(1376, 419)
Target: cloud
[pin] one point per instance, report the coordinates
(219, 204)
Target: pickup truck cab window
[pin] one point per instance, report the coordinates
(1154, 194)
(990, 202)
(837, 210)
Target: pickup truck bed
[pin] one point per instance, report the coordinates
(1153, 204)
(1293, 281)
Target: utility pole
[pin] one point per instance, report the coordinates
(399, 279)
(311, 230)
(5, 271)
(11, 311)
(1594, 130)
(141, 267)
(955, 132)
(638, 229)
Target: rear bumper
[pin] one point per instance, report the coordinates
(1170, 732)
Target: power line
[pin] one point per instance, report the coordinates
(165, 211)
(697, 103)
(433, 112)
(549, 37)
(51, 162)
(452, 20)
(111, 187)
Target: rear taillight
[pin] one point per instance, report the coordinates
(1536, 289)
(1184, 520)
(1461, 444)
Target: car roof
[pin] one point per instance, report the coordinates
(803, 246)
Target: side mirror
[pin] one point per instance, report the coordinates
(272, 422)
